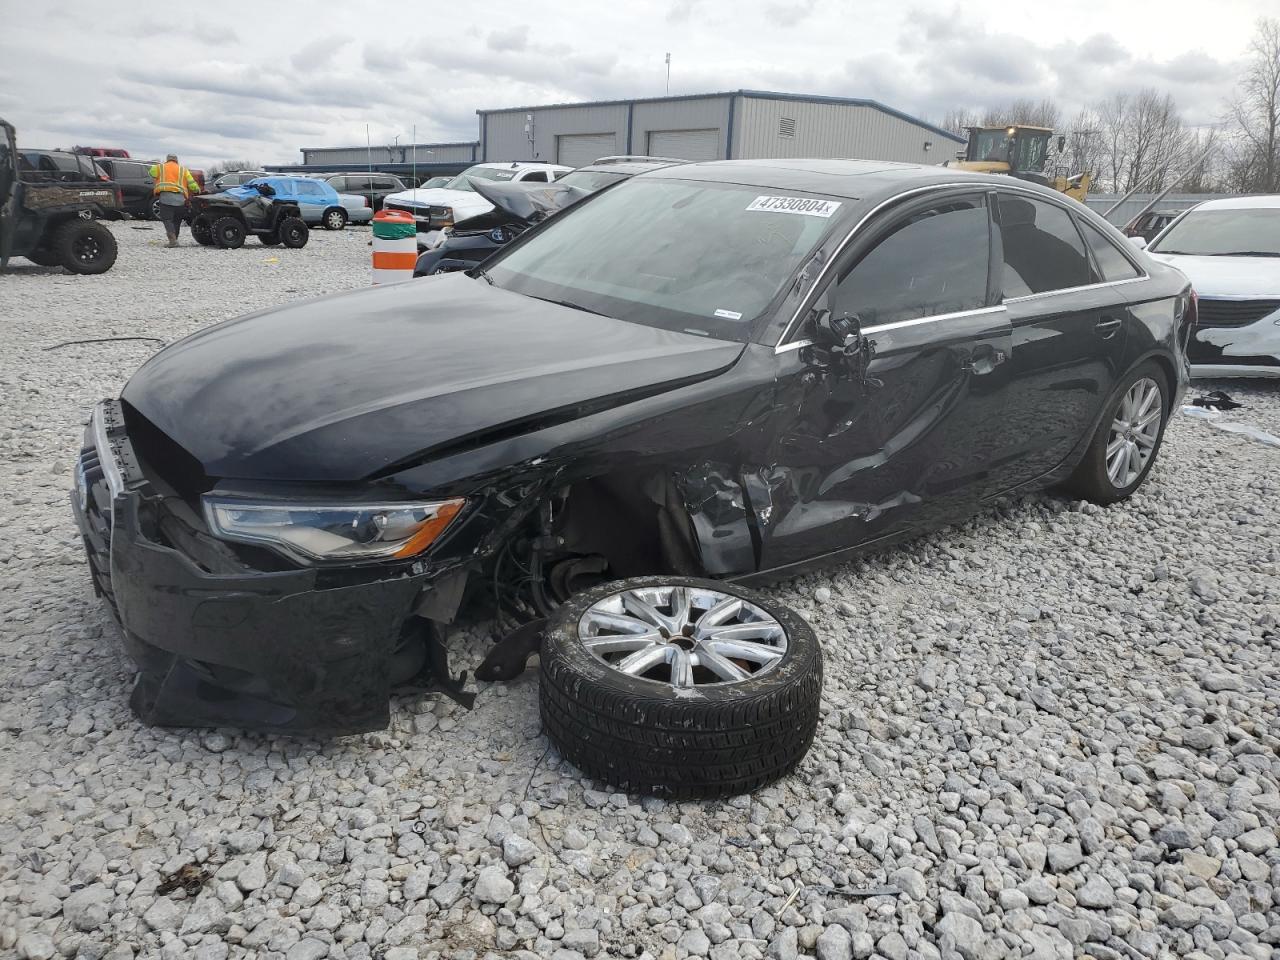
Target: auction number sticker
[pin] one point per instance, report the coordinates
(805, 206)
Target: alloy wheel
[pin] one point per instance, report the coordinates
(682, 637)
(1134, 432)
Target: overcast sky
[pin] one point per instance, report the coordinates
(258, 86)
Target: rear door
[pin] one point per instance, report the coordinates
(857, 461)
(1068, 332)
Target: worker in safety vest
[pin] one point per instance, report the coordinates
(173, 185)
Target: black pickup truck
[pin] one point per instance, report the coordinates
(47, 216)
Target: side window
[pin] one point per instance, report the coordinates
(1042, 248)
(341, 183)
(1111, 263)
(538, 176)
(385, 183)
(933, 262)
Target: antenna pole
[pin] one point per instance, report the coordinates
(668, 74)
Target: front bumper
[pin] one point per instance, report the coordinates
(294, 650)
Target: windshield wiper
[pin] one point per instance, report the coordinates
(571, 306)
(483, 274)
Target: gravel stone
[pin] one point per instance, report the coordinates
(1048, 728)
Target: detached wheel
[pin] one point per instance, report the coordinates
(679, 687)
(202, 231)
(85, 246)
(335, 218)
(293, 233)
(228, 233)
(1124, 449)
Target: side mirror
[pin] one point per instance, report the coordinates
(840, 344)
(839, 335)
(1139, 242)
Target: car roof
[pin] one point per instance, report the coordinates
(1255, 202)
(851, 179)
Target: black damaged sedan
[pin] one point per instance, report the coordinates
(716, 370)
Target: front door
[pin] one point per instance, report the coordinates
(1068, 330)
(858, 459)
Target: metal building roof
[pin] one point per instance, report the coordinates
(754, 94)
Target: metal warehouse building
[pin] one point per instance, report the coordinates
(741, 124)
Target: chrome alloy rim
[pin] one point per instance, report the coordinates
(684, 637)
(1134, 432)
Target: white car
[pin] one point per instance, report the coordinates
(1230, 251)
(357, 207)
(439, 207)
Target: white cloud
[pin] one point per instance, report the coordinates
(265, 85)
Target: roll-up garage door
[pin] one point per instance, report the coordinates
(580, 149)
(685, 144)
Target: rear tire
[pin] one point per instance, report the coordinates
(335, 218)
(85, 246)
(711, 737)
(293, 233)
(228, 233)
(1132, 425)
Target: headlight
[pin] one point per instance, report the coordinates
(331, 532)
(442, 216)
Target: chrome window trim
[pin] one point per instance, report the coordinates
(1087, 286)
(1234, 298)
(899, 324)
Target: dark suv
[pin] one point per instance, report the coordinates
(133, 179)
(374, 187)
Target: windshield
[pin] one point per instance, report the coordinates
(1223, 233)
(460, 182)
(592, 180)
(992, 145)
(705, 258)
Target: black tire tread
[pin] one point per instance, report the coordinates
(219, 225)
(64, 239)
(683, 749)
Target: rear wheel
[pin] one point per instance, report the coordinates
(85, 246)
(228, 233)
(1124, 449)
(202, 231)
(293, 232)
(335, 218)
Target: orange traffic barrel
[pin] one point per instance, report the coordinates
(395, 246)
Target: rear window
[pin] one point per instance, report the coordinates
(592, 180)
(1042, 248)
(1112, 264)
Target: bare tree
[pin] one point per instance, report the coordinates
(228, 166)
(1256, 111)
(1043, 113)
(958, 120)
(1084, 151)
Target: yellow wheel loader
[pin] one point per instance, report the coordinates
(1021, 151)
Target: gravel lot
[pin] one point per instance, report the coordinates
(1049, 732)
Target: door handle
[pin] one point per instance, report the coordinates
(1107, 326)
(983, 360)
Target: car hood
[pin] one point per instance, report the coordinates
(1227, 276)
(464, 203)
(360, 384)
